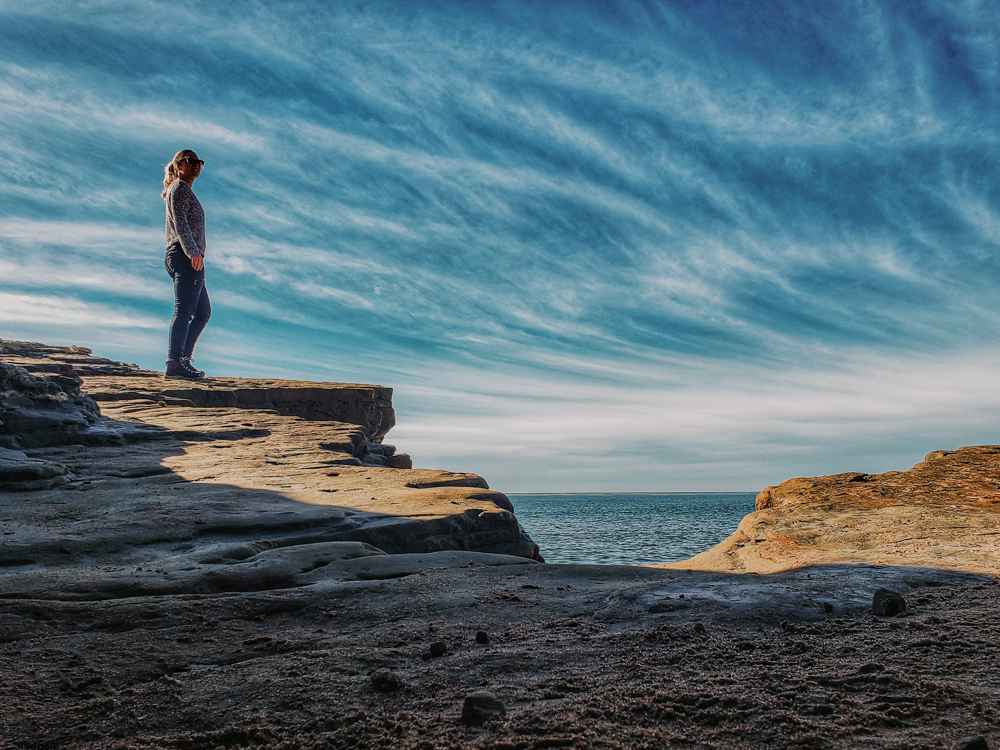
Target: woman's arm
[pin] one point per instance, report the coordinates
(178, 206)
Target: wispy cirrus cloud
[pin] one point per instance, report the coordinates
(655, 206)
(67, 313)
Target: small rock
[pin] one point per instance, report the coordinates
(887, 603)
(828, 608)
(482, 637)
(385, 681)
(439, 648)
(870, 667)
(480, 706)
(399, 461)
(974, 742)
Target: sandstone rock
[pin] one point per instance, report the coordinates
(216, 499)
(941, 514)
(887, 603)
(481, 706)
(36, 413)
(368, 406)
(399, 461)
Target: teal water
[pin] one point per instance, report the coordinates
(629, 529)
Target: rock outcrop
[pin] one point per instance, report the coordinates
(37, 412)
(367, 406)
(944, 513)
(225, 485)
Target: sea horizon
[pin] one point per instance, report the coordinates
(628, 528)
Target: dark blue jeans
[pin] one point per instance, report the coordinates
(192, 308)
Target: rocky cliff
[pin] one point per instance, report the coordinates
(226, 484)
(944, 513)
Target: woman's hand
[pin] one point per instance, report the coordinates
(197, 263)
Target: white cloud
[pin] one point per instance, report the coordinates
(17, 309)
(106, 277)
(344, 297)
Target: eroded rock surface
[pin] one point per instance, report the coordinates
(943, 513)
(367, 406)
(158, 495)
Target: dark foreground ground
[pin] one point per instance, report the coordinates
(581, 657)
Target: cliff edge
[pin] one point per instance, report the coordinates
(116, 482)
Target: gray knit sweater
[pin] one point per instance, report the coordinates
(185, 219)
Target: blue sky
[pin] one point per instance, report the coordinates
(592, 245)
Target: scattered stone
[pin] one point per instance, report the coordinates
(385, 681)
(438, 648)
(887, 603)
(870, 667)
(974, 742)
(828, 608)
(482, 637)
(480, 706)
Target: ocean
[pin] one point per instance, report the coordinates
(629, 528)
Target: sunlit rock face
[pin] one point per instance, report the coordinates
(943, 514)
(225, 484)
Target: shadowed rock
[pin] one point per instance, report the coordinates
(481, 706)
(887, 603)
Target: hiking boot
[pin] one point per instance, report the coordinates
(189, 363)
(178, 370)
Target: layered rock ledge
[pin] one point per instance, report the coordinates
(222, 485)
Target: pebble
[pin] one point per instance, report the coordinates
(439, 648)
(974, 742)
(385, 681)
(887, 603)
(482, 637)
(480, 706)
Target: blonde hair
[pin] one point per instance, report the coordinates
(170, 171)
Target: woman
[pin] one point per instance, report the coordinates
(185, 263)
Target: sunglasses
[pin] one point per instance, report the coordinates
(192, 160)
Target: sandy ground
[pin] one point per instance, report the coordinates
(580, 656)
